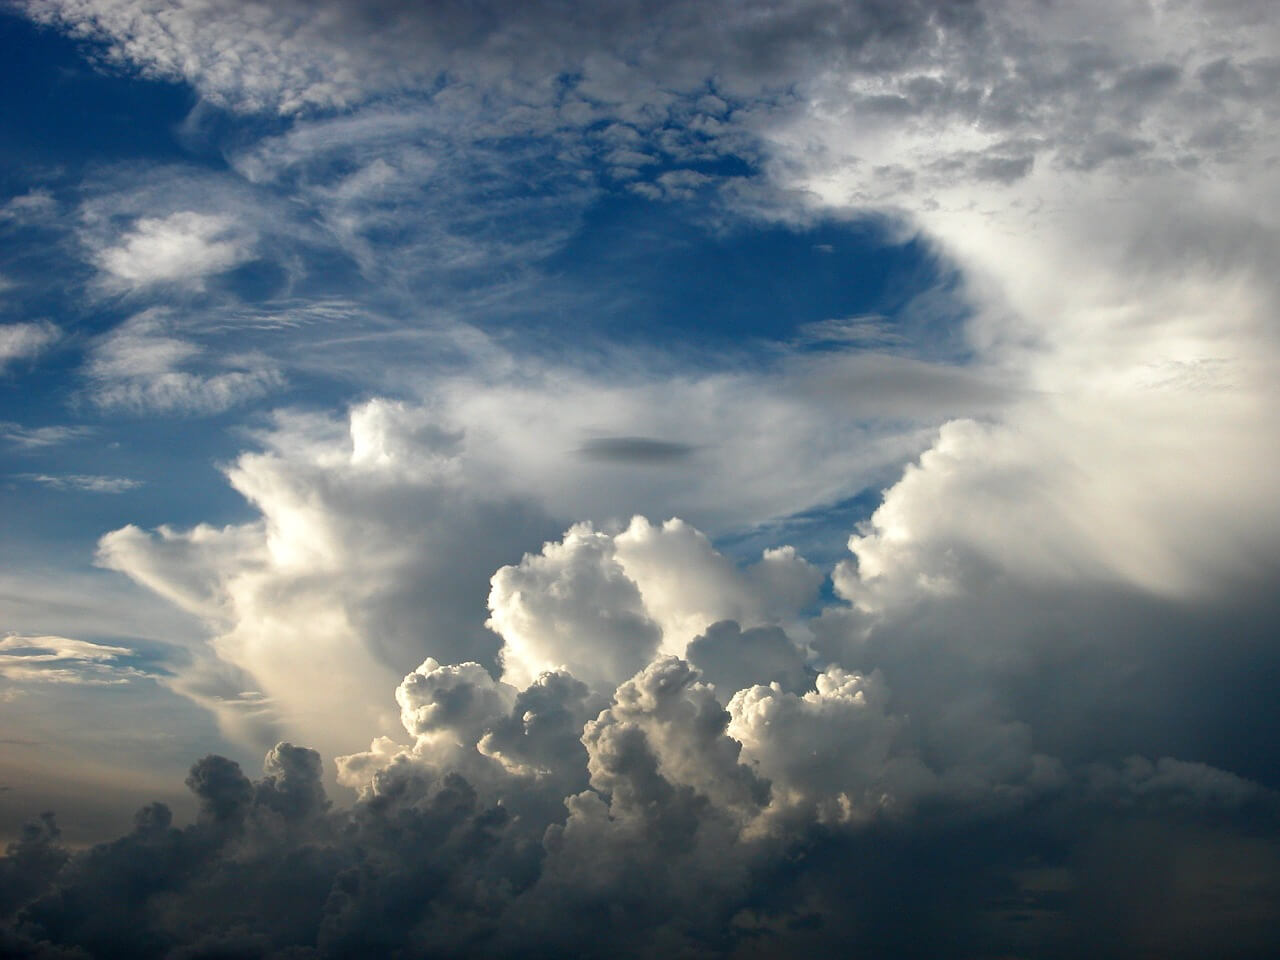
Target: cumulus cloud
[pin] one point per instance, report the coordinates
(732, 659)
(670, 806)
(181, 248)
(370, 554)
(381, 530)
(573, 607)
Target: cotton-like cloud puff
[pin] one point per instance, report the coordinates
(883, 787)
(367, 599)
(770, 828)
(183, 248)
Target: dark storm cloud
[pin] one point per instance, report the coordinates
(427, 868)
(990, 801)
(638, 450)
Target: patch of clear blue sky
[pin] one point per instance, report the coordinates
(675, 277)
(632, 272)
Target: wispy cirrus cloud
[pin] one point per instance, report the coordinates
(30, 207)
(34, 438)
(88, 483)
(24, 341)
(142, 366)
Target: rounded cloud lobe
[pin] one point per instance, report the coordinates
(656, 818)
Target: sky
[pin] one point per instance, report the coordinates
(747, 479)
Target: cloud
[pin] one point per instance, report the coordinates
(90, 483)
(324, 588)
(675, 813)
(337, 498)
(26, 207)
(278, 58)
(638, 450)
(20, 341)
(51, 659)
(139, 366)
(35, 438)
(1035, 716)
(732, 659)
(182, 248)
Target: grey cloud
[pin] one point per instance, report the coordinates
(636, 450)
(282, 64)
(30, 863)
(879, 384)
(955, 766)
(732, 659)
(651, 857)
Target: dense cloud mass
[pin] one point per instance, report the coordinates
(880, 789)
(525, 692)
(808, 814)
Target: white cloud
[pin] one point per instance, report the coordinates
(368, 558)
(21, 341)
(141, 366)
(182, 248)
(835, 752)
(52, 659)
(91, 483)
(572, 606)
(27, 207)
(34, 438)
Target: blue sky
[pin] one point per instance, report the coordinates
(860, 415)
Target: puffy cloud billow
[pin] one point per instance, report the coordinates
(734, 792)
